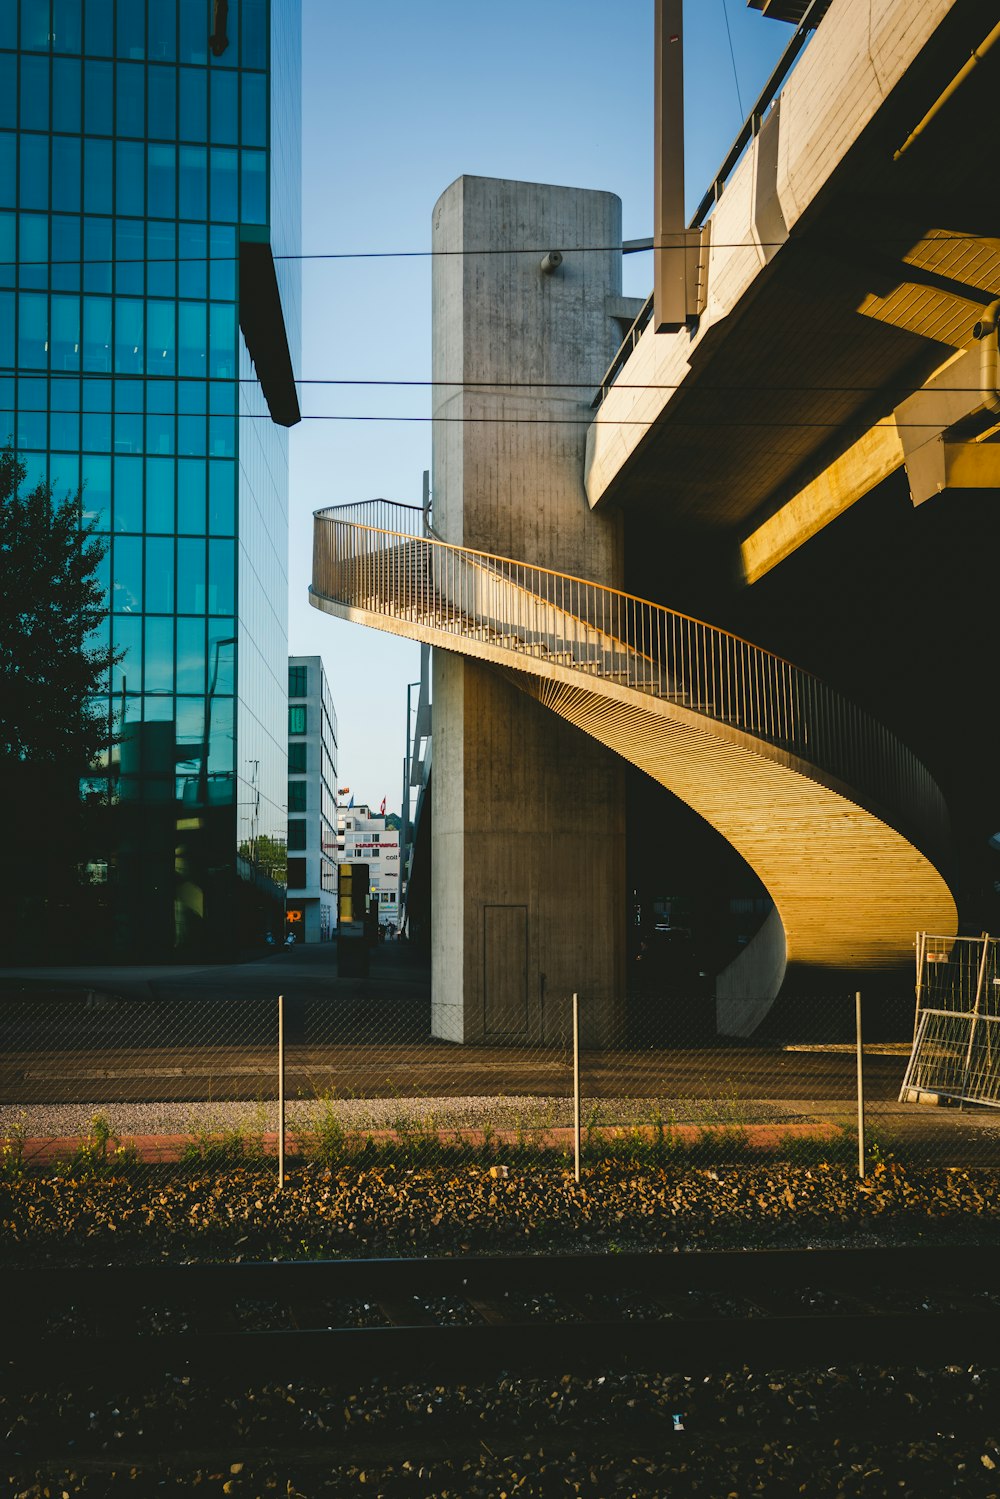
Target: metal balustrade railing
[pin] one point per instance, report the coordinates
(376, 557)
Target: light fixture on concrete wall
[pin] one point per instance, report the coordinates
(550, 262)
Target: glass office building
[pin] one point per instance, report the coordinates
(149, 328)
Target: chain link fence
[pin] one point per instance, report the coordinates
(96, 1079)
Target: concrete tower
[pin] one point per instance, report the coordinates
(528, 833)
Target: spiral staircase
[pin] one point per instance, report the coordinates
(840, 822)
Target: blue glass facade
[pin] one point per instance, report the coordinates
(135, 158)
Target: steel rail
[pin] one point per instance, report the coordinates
(771, 1331)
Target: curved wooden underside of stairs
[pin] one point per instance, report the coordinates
(852, 877)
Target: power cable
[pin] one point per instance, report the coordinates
(732, 54)
(887, 388)
(322, 255)
(493, 421)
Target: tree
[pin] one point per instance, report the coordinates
(50, 604)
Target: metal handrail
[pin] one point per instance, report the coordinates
(362, 561)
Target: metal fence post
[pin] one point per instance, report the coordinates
(576, 1087)
(281, 1091)
(861, 1090)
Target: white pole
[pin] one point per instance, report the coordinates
(861, 1091)
(281, 1091)
(576, 1087)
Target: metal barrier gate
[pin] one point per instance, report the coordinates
(956, 1043)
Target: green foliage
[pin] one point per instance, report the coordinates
(99, 1154)
(225, 1147)
(12, 1162)
(52, 600)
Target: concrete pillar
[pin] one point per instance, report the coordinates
(528, 875)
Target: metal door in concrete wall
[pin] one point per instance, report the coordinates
(505, 971)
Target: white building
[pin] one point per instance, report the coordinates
(366, 839)
(312, 802)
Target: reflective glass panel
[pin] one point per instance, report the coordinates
(34, 92)
(160, 495)
(66, 174)
(33, 249)
(98, 97)
(254, 187)
(130, 178)
(221, 653)
(126, 634)
(193, 183)
(97, 255)
(162, 170)
(222, 498)
(254, 121)
(67, 94)
(97, 176)
(159, 575)
(161, 42)
(65, 332)
(190, 655)
(161, 264)
(96, 334)
(192, 250)
(224, 86)
(130, 99)
(130, 336)
(95, 474)
(254, 34)
(131, 30)
(191, 497)
(130, 237)
(223, 199)
(32, 330)
(8, 91)
(221, 577)
(34, 171)
(65, 253)
(128, 494)
(159, 665)
(162, 103)
(67, 26)
(193, 31)
(190, 576)
(193, 117)
(126, 564)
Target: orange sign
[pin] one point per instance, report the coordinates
(293, 916)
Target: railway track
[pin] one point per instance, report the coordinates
(466, 1318)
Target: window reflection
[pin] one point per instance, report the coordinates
(190, 576)
(127, 572)
(65, 253)
(191, 497)
(128, 495)
(159, 575)
(191, 655)
(66, 174)
(158, 670)
(126, 636)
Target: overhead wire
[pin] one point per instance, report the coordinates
(210, 258)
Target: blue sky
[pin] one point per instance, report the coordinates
(398, 100)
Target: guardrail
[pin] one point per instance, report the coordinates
(375, 557)
(748, 130)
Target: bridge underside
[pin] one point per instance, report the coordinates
(816, 370)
